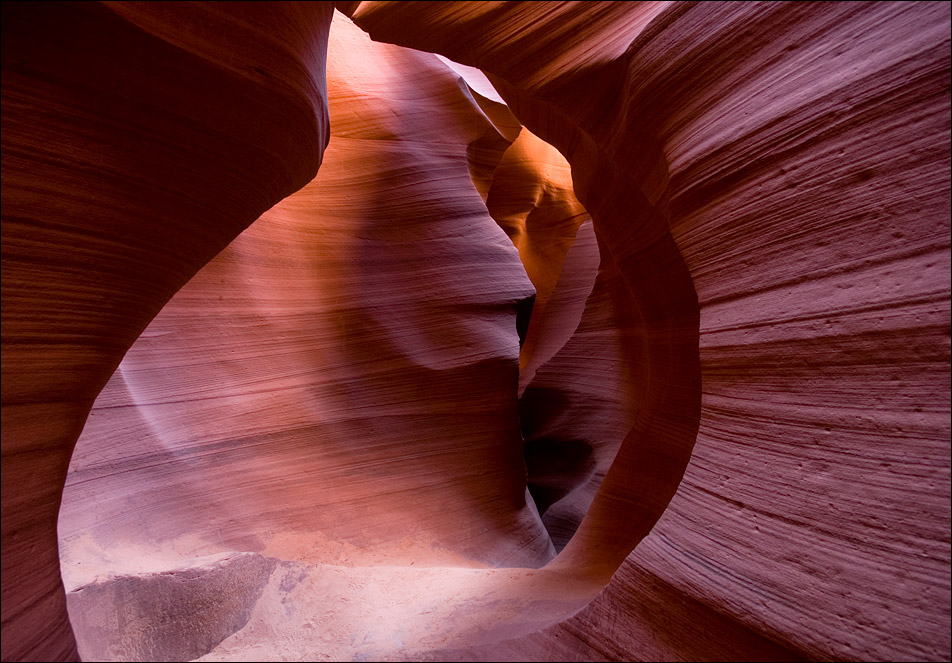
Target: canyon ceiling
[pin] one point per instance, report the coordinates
(476, 331)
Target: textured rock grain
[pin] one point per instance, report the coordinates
(125, 169)
(345, 372)
(735, 382)
(799, 155)
(177, 614)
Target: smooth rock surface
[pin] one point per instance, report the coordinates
(138, 141)
(338, 388)
(800, 156)
(734, 379)
(319, 380)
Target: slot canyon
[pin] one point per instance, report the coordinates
(476, 331)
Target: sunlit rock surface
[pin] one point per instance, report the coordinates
(338, 388)
(708, 367)
(347, 368)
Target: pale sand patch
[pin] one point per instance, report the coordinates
(339, 613)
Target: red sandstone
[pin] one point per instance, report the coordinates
(315, 418)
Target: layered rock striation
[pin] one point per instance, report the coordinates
(345, 372)
(798, 155)
(338, 388)
(138, 141)
(646, 357)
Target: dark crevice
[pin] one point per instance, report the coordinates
(523, 316)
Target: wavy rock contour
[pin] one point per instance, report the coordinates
(125, 169)
(799, 157)
(732, 383)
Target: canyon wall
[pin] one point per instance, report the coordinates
(799, 155)
(668, 318)
(138, 141)
(337, 391)
(345, 372)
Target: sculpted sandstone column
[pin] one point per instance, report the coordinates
(333, 395)
(138, 140)
(559, 77)
(799, 156)
(344, 374)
